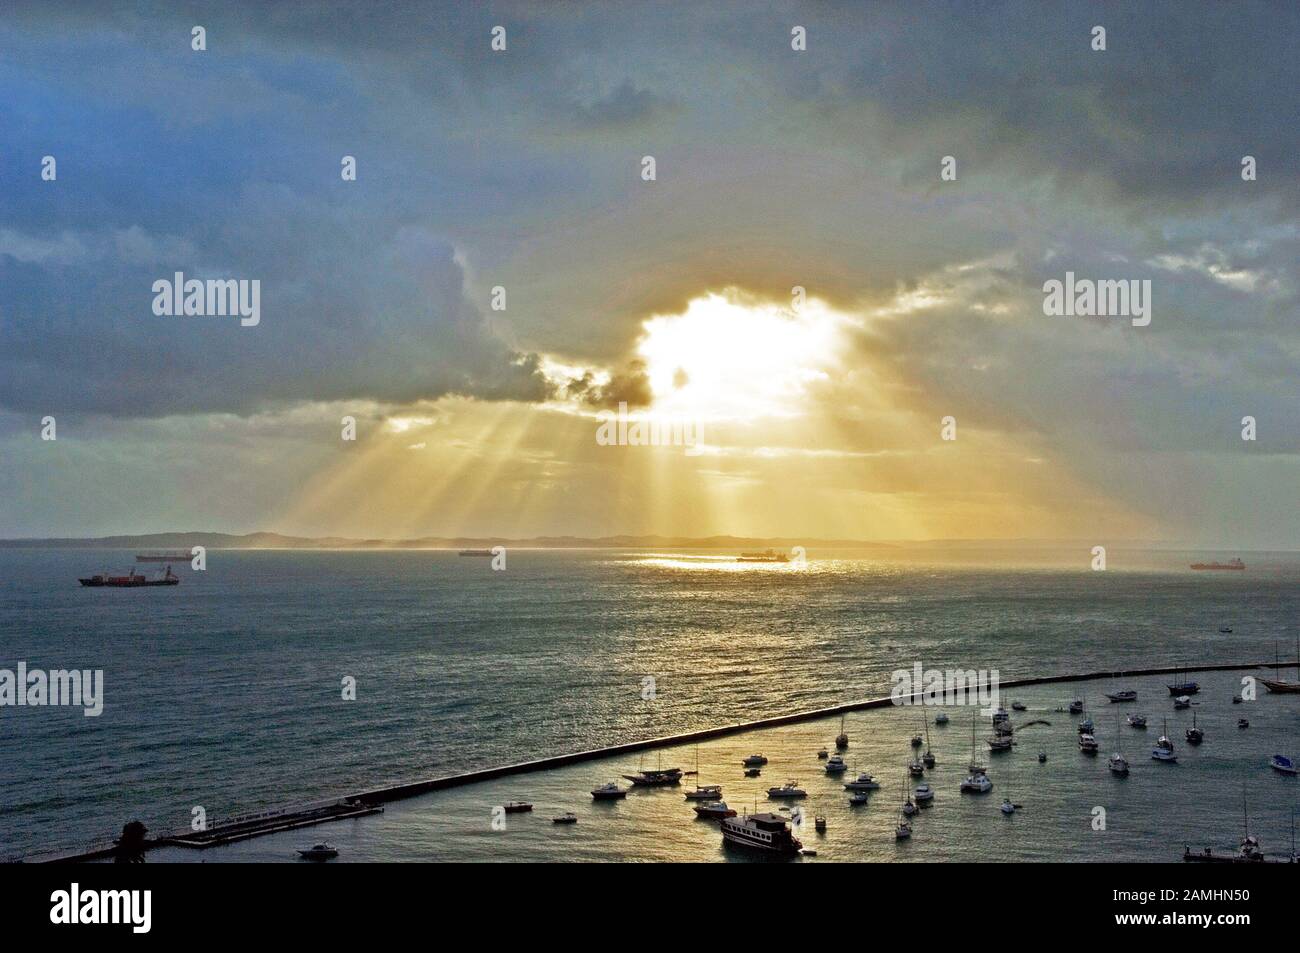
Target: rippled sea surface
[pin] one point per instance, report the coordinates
(225, 692)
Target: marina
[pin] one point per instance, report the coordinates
(454, 811)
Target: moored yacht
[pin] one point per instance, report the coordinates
(941, 718)
(1137, 721)
(842, 739)
(658, 777)
(977, 784)
(1183, 701)
(321, 851)
(609, 792)
(836, 765)
(1280, 762)
(1118, 765)
(705, 792)
(714, 811)
(1124, 696)
(1087, 743)
(1076, 706)
(923, 794)
(1164, 749)
(863, 782)
(788, 791)
(754, 761)
(1194, 734)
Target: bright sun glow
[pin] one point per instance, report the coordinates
(725, 358)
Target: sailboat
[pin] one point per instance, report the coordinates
(1183, 687)
(1164, 749)
(1279, 686)
(909, 808)
(703, 792)
(659, 777)
(928, 757)
(974, 767)
(842, 739)
(1194, 734)
(1117, 762)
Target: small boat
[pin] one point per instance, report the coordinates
(753, 772)
(916, 769)
(1280, 762)
(321, 851)
(836, 765)
(1086, 727)
(1000, 716)
(766, 556)
(923, 794)
(1183, 701)
(977, 784)
(842, 739)
(1124, 696)
(476, 552)
(1018, 706)
(858, 798)
(1076, 707)
(705, 792)
(1042, 757)
(1164, 749)
(568, 817)
(863, 782)
(928, 759)
(1236, 699)
(609, 792)
(999, 743)
(517, 807)
(1225, 629)
(1234, 563)
(1007, 807)
(790, 790)
(754, 760)
(917, 741)
(1281, 686)
(1194, 734)
(1243, 723)
(821, 755)
(1087, 743)
(717, 810)
(819, 824)
(808, 853)
(903, 831)
(909, 808)
(1137, 721)
(941, 718)
(766, 833)
(1118, 765)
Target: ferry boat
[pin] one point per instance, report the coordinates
(766, 556)
(609, 792)
(768, 833)
(171, 556)
(1234, 564)
(131, 580)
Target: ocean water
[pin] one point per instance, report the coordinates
(224, 692)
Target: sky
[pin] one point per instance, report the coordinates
(817, 414)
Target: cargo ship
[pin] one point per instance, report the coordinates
(477, 552)
(1230, 564)
(173, 556)
(132, 580)
(766, 556)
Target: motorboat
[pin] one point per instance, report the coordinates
(836, 765)
(754, 761)
(1086, 727)
(821, 754)
(1118, 765)
(928, 759)
(321, 851)
(1124, 696)
(715, 810)
(917, 741)
(568, 817)
(1007, 807)
(916, 769)
(1087, 743)
(1042, 757)
(999, 743)
(1236, 699)
(903, 831)
(1183, 701)
(819, 824)
(609, 792)
(977, 784)
(941, 718)
(1243, 723)
(1076, 707)
(858, 798)
(863, 782)
(1137, 721)
(1280, 762)
(923, 794)
(705, 792)
(788, 791)
(1019, 706)
(753, 772)
(517, 807)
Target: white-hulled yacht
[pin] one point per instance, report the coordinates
(977, 784)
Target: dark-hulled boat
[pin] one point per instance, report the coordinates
(131, 580)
